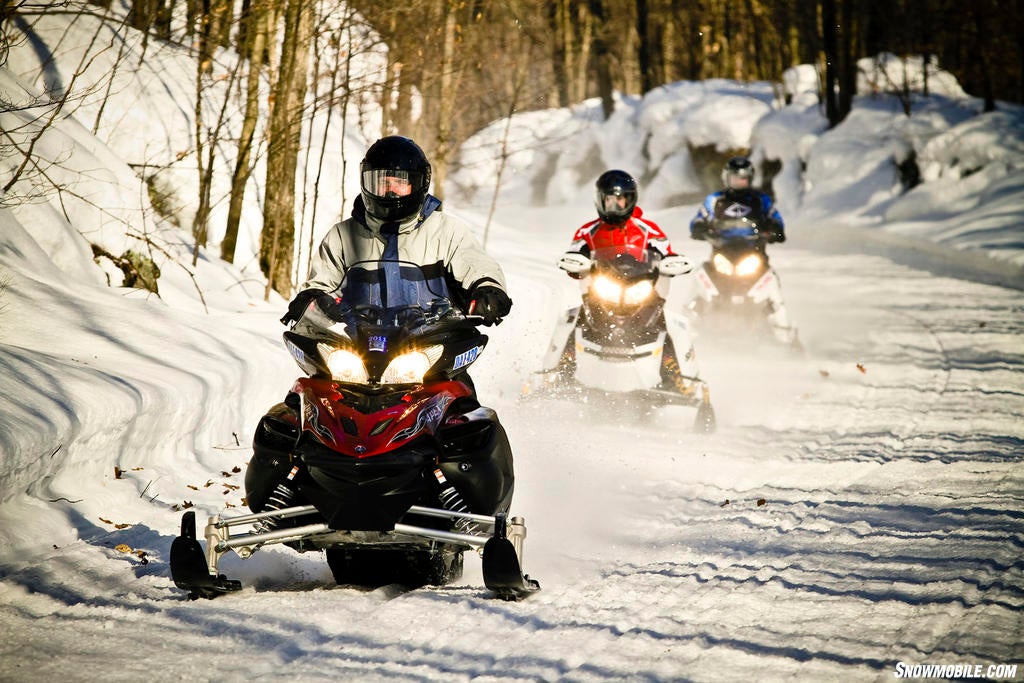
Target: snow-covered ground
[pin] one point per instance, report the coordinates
(858, 508)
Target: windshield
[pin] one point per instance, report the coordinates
(737, 228)
(625, 262)
(619, 253)
(392, 284)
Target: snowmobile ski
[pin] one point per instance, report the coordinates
(502, 567)
(195, 570)
(189, 568)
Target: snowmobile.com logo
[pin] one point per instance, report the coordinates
(956, 671)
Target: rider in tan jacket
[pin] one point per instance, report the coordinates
(395, 218)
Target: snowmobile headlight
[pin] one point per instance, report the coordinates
(345, 366)
(607, 289)
(638, 293)
(748, 265)
(410, 367)
(722, 264)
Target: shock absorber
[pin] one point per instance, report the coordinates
(280, 498)
(452, 500)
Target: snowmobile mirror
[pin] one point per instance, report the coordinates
(574, 263)
(674, 264)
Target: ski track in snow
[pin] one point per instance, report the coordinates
(858, 507)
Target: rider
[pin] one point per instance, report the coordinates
(739, 198)
(738, 178)
(395, 218)
(620, 224)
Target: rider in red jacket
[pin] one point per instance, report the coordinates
(620, 221)
(620, 225)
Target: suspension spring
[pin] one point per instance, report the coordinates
(280, 498)
(451, 500)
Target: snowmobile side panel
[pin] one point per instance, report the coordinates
(477, 459)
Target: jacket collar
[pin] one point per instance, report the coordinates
(375, 225)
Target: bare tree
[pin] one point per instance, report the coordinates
(278, 238)
(504, 152)
(256, 21)
(22, 141)
(602, 56)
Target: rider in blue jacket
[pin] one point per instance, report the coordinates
(738, 178)
(739, 199)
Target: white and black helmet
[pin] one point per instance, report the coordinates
(738, 173)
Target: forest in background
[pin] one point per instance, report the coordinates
(450, 67)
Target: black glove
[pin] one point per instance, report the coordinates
(774, 233)
(300, 303)
(490, 302)
(700, 230)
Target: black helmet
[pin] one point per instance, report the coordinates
(612, 188)
(738, 169)
(394, 177)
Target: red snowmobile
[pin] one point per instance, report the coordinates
(382, 457)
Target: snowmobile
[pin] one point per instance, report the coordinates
(738, 293)
(611, 348)
(381, 456)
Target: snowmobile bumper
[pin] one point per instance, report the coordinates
(196, 570)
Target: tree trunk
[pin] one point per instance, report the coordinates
(278, 238)
(561, 30)
(582, 24)
(200, 222)
(646, 47)
(602, 58)
(445, 99)
(256, 36)
(847, 61)
(829, 42)
(141, 14)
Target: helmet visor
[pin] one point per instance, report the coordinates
(392, 183)
(738, 181)
(614, 203)
(615, 206)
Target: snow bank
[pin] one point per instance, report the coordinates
(947, 161)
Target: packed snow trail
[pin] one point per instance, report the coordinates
(858, 508)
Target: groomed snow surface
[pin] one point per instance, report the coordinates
(857, 508)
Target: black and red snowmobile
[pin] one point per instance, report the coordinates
(381, 457)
